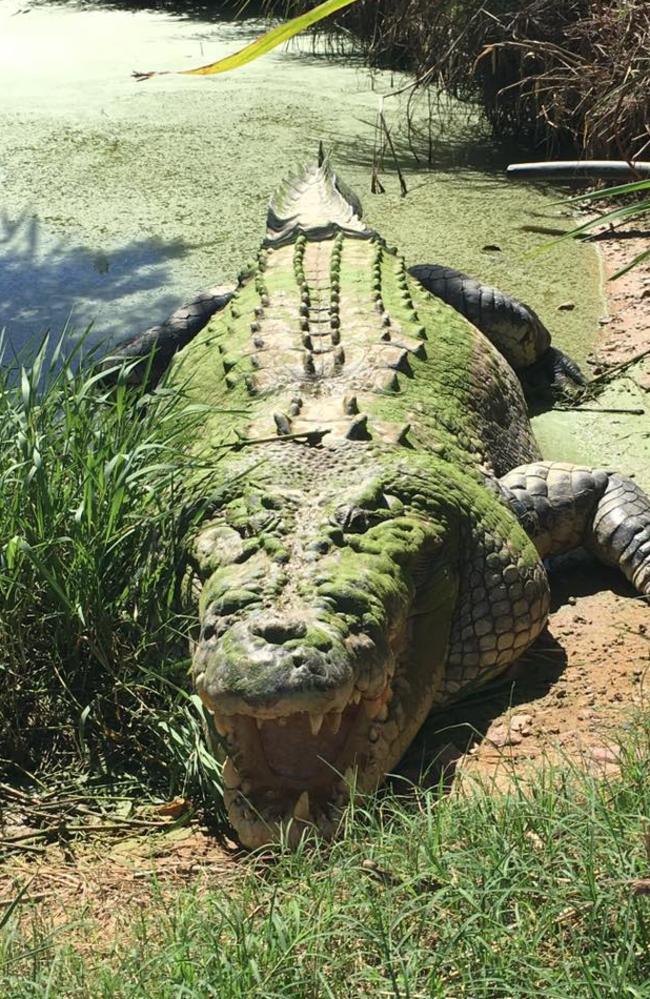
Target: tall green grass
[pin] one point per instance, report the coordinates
(94, 613)
(533, 893)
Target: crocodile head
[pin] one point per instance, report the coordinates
(317, 654)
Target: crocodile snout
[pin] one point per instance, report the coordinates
(271, 667)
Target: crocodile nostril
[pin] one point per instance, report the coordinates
(308, 663)
(276, 632)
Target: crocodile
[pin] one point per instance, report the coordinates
(377, 549)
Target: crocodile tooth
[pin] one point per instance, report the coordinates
(373, 707)
(301, 807)
(221, 725)
(356, 696)
(231, 776)
(259, 722)
(334, 721)
(315, 722)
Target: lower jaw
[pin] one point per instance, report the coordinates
(268, 816)
(286, 810)
(278, 812)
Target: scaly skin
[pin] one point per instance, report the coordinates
(367, 563)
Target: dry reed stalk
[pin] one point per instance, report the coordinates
(554, 72)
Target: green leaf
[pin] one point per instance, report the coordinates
(15, 902)
(607, 192)
(265, 43)
(628, 267)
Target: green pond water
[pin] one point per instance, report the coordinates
(119, 200)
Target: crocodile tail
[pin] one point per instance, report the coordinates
(315, 203)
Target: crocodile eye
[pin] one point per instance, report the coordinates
(356, 519)
(352, 519)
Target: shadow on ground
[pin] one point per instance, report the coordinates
(48, 283)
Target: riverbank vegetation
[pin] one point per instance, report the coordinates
(554, 73)
(93, 630)
(542, 891)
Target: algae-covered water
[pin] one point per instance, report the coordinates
(119, 200)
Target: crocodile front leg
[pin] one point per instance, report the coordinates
(563, 506)
(513, 327)
(155, 348)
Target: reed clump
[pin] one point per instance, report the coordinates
(94, 613)
(553, 72)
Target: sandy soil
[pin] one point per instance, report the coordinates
(570, 696)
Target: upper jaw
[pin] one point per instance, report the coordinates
(242, 674)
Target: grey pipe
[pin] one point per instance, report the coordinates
(577, 169)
